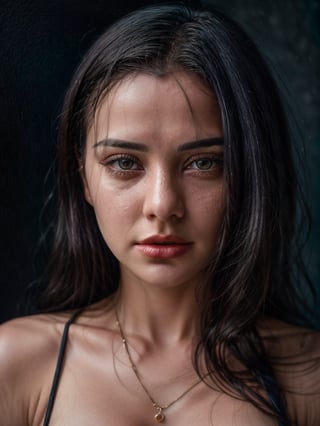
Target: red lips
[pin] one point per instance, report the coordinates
(163, 239)
(164, 246)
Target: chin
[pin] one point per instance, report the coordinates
(164, 275)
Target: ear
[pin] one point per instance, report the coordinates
(86, 191)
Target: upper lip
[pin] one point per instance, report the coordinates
(164, 239)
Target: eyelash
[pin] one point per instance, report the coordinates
(215, 159)
(113, 170)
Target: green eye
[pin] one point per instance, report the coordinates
(204, 163)
(122, 165)
(125, 163)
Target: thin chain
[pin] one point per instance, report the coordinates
(136, 372)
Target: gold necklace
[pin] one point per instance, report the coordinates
(159, 417)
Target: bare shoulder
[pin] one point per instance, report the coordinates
(30, 338)
(34, 340)
(28, 348)
(294, 352)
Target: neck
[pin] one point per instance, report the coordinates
(164, 316)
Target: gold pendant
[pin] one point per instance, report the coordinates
(159, 417)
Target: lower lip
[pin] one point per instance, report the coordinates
(161, 251)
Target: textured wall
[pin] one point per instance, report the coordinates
(40, 44)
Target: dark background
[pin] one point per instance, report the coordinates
(41, 42)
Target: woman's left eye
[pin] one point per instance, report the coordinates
(205, 163)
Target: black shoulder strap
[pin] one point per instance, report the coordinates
(57, 373)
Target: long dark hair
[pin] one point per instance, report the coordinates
(252, 275)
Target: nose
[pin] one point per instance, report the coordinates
(163, 198)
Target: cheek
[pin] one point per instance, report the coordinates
(210, 201)
(208, 209)
(112, 206)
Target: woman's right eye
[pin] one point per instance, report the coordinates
(121, 164)
(124, 163)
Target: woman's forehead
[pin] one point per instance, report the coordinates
(143, 103)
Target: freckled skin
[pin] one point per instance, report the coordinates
(161, 189)
(165, 191)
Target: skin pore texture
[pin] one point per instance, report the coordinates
(152, 169)
(166, 189)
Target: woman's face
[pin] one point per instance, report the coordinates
(154, 176)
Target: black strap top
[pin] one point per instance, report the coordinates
(275, 397)
(58, 369)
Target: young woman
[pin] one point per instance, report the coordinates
(171, 286)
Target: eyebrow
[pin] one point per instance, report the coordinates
(201, 143)
(118, 143)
